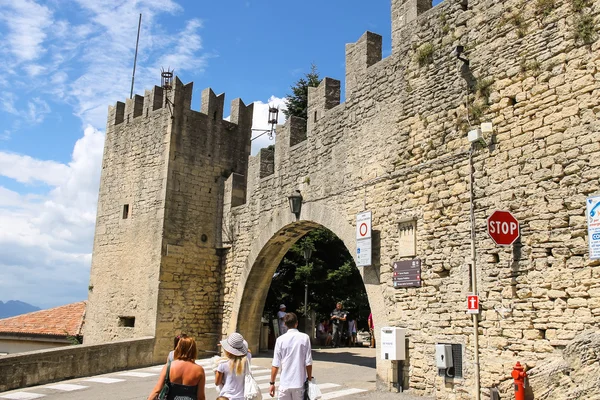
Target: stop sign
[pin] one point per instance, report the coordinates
(503, 228)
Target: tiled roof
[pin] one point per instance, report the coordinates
(65, 320)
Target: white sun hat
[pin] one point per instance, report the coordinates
(234, 344)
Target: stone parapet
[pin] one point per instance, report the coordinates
(46, 366)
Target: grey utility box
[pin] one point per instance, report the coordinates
(443, 356)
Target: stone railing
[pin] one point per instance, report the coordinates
(45, 366)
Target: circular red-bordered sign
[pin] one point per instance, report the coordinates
(363, 229)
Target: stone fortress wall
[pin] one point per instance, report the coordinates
(398, 147)
(207, 226)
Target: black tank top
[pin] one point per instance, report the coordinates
(182, 392)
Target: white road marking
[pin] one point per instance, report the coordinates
(341, 393)
(137, 374)
(324, 386)
(104, 380)
(66, 387)
(22, 396)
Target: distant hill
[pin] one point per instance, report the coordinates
(15, 307)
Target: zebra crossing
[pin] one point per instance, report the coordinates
(261, 375)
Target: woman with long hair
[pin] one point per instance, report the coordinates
(186, 378)
(232, 371)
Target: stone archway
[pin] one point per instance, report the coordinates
(277, 235)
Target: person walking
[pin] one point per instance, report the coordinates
(293, 355)
(171, 355)
(351, 332)
(323, 333)
(338, 317)
(186, 379)
(232, 372)
(280, 314)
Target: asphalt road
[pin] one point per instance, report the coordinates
(344, 373)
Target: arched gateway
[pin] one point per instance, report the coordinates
(190, 228)
(276, 237)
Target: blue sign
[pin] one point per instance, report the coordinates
(593, 221)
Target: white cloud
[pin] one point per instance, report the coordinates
(34, 69)
(47, 227)
(46, 238)
(7, 103)
(26, 169)
(260, 121)
(37, 109)
(27, 22)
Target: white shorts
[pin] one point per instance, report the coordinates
(291, 394)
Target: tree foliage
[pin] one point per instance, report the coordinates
(331, 276)
(297, 101)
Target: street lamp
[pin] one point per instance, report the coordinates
(295, 203)
(307, 254)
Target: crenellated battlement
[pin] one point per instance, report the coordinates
(212, 105)
(176, 102)
(321, 99)
(404, 13)
(359, 57)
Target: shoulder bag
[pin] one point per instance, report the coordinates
(164, 392)
(251, 389)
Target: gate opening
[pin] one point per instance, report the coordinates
(315, 274)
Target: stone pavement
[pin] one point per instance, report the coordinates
(342, 373)
(350, 367)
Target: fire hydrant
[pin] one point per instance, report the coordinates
(519, 377)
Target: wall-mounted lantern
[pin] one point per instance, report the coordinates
(295, 203)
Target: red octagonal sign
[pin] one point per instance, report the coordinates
(503, 227)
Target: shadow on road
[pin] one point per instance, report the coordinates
(344, 356)
(363, 357)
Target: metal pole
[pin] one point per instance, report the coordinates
(137, 42)
(474, 274)
(305, 308)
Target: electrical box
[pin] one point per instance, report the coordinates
(475, 135)
(487, 127)
(393, 343)
(443, 356)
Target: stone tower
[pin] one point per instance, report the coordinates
(156, 266)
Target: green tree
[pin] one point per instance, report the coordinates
(297, 101)
(331, 276)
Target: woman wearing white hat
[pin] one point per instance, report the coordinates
(231, 373)
(280, 314)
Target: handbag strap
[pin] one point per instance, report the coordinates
(167, 375)
(248, 367)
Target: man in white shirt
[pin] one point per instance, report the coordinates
(293, 355)
(280, 314)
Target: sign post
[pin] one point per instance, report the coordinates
(363, 239)
(503, 228)
(593, 222)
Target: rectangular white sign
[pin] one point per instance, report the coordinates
(593, 221)
(363, 225)
(363, 239)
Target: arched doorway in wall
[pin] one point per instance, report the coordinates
(271, 243)
(314, 275)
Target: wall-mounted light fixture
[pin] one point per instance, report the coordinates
(295, 203)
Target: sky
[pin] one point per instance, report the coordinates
(64, 61)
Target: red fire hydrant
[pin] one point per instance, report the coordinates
(519, 377)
